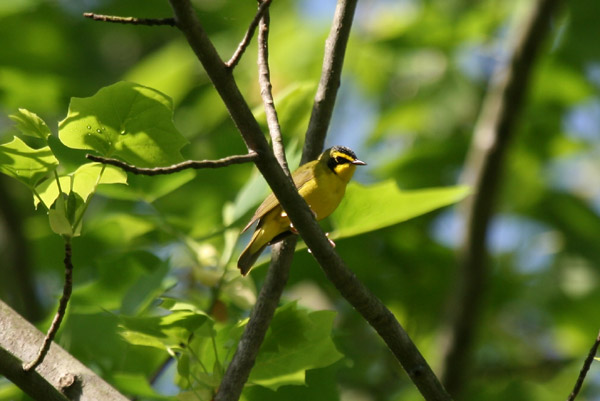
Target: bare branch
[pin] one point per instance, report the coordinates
(584, 369)
(59, 378)
(370, 307)
(483, 172)
(333, 61)
(239, 369)
(130, 20)
(195, 164)
(264, 79)
(239, 52)
(60, 313)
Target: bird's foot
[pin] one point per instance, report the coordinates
(330, 242)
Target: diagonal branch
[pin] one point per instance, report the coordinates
(195, 164)
(369, 306)
(60, 313)
(333, 61)
(483, 172)
(584, 369)
(61, 377)
(130, 20)
(239, 52)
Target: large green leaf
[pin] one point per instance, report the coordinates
(24, 163)
(124, 120)
(31, 124)
(369, 208)
(297, 340)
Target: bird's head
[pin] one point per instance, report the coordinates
(341, 160)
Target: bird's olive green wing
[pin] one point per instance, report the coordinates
(300, 177)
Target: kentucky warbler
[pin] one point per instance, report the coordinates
(320, 182)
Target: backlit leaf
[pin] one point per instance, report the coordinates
(31, 124)
(125, 120)
(369, 208)
(24, 163)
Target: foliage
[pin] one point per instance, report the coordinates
(154, 256)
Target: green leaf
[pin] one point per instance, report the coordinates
(63, 215)
(148, 188)
(297, 340)
(136, 383)
(82, 181)
(125, 120)
(169, 331)
(31, 124)
(24, 163)
(59, 222)
(369, 208)
(321, 385)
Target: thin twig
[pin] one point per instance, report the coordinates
(60, 313)
(237, 55)
(264, 79)
(194, 164)
(483, 169)
(333, 61)
(131, 20)
(584, 369)
(369, 306)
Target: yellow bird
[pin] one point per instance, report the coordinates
(320, 182)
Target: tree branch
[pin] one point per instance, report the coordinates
(584, 369)
(195, 164)
(60, 313)
(237, 55)
(264, 79)
(483, 169)
(130, 20)
(370, 307)
(239, 369)
(333, 61)
(59, 378)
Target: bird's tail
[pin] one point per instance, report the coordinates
(250, 254)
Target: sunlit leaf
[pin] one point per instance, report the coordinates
(59, 222)
(124, 120)
(369, 208)
(24, 163)
(31, 124)
(82, 181)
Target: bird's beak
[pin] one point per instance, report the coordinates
(359, 162)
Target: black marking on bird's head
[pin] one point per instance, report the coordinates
(339, 156)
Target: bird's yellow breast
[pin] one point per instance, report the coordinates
(325, 191)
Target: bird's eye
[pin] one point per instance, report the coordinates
(341, 160)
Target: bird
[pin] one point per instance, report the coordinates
(322, 184)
